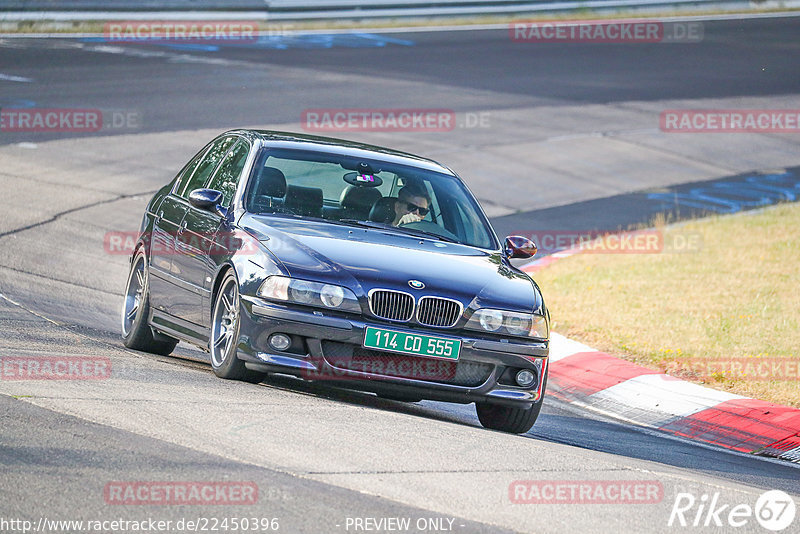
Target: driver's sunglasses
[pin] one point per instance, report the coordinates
(413, 207)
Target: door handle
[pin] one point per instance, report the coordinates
(182, 227)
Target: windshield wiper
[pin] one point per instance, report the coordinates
(364, 224)
(277, 211)
(400, 229)
(423, 233)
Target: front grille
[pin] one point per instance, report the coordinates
(436, 311)
(355, 358)
(391, 305)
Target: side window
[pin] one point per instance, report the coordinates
(227, 177)
(188, 170)
(206, 166)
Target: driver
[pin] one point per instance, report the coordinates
(412, 205)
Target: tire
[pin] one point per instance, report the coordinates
(507, 418)
(225, 324)
(136, 333)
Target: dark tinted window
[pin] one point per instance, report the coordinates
(227, 176)
(188, 170)
(206, 166)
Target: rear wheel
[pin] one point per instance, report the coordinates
(136, 333)
(225, 334)
(507, 418)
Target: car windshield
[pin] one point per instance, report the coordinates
(351, 190)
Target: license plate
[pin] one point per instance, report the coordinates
(414, 344)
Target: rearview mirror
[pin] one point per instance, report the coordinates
(205, 199)
(519, 247)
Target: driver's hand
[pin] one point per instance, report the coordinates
(409, 218)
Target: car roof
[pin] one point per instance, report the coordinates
(343, 147)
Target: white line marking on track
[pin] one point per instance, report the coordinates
(561, 347)
(661, 394)
(12, 78)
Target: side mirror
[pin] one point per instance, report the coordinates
(519, 247)
(207, 199)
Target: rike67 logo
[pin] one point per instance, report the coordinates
(774, 510)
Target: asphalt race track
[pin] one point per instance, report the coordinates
(541, 129)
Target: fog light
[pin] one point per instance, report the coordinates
(280, 341)
(525, 378)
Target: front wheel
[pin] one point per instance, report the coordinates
(507, 418)
(136, 333)
(225, 324)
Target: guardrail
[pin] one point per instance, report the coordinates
(320, 9)
(323, 9)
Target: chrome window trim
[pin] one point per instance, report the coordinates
(235, 138)
(199, 156)
(246, 168)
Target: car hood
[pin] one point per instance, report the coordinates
(363, 259)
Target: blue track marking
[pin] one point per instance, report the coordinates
(191, 47)
(17, 104)
(732, 197)
(276, 42)
(319, 40)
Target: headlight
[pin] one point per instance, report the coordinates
(517, 325)
(491, 320)
(275, 287)
(331, 296)
(506, 322)
(300, 291)
(309, 293)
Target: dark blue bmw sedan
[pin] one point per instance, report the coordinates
(337, 261)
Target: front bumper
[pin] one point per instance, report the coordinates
(330, 348)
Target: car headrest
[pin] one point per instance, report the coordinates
(271, 183)
(306, 201)
(383, 210)
(358, 201)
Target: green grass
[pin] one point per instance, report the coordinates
(738, 296)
